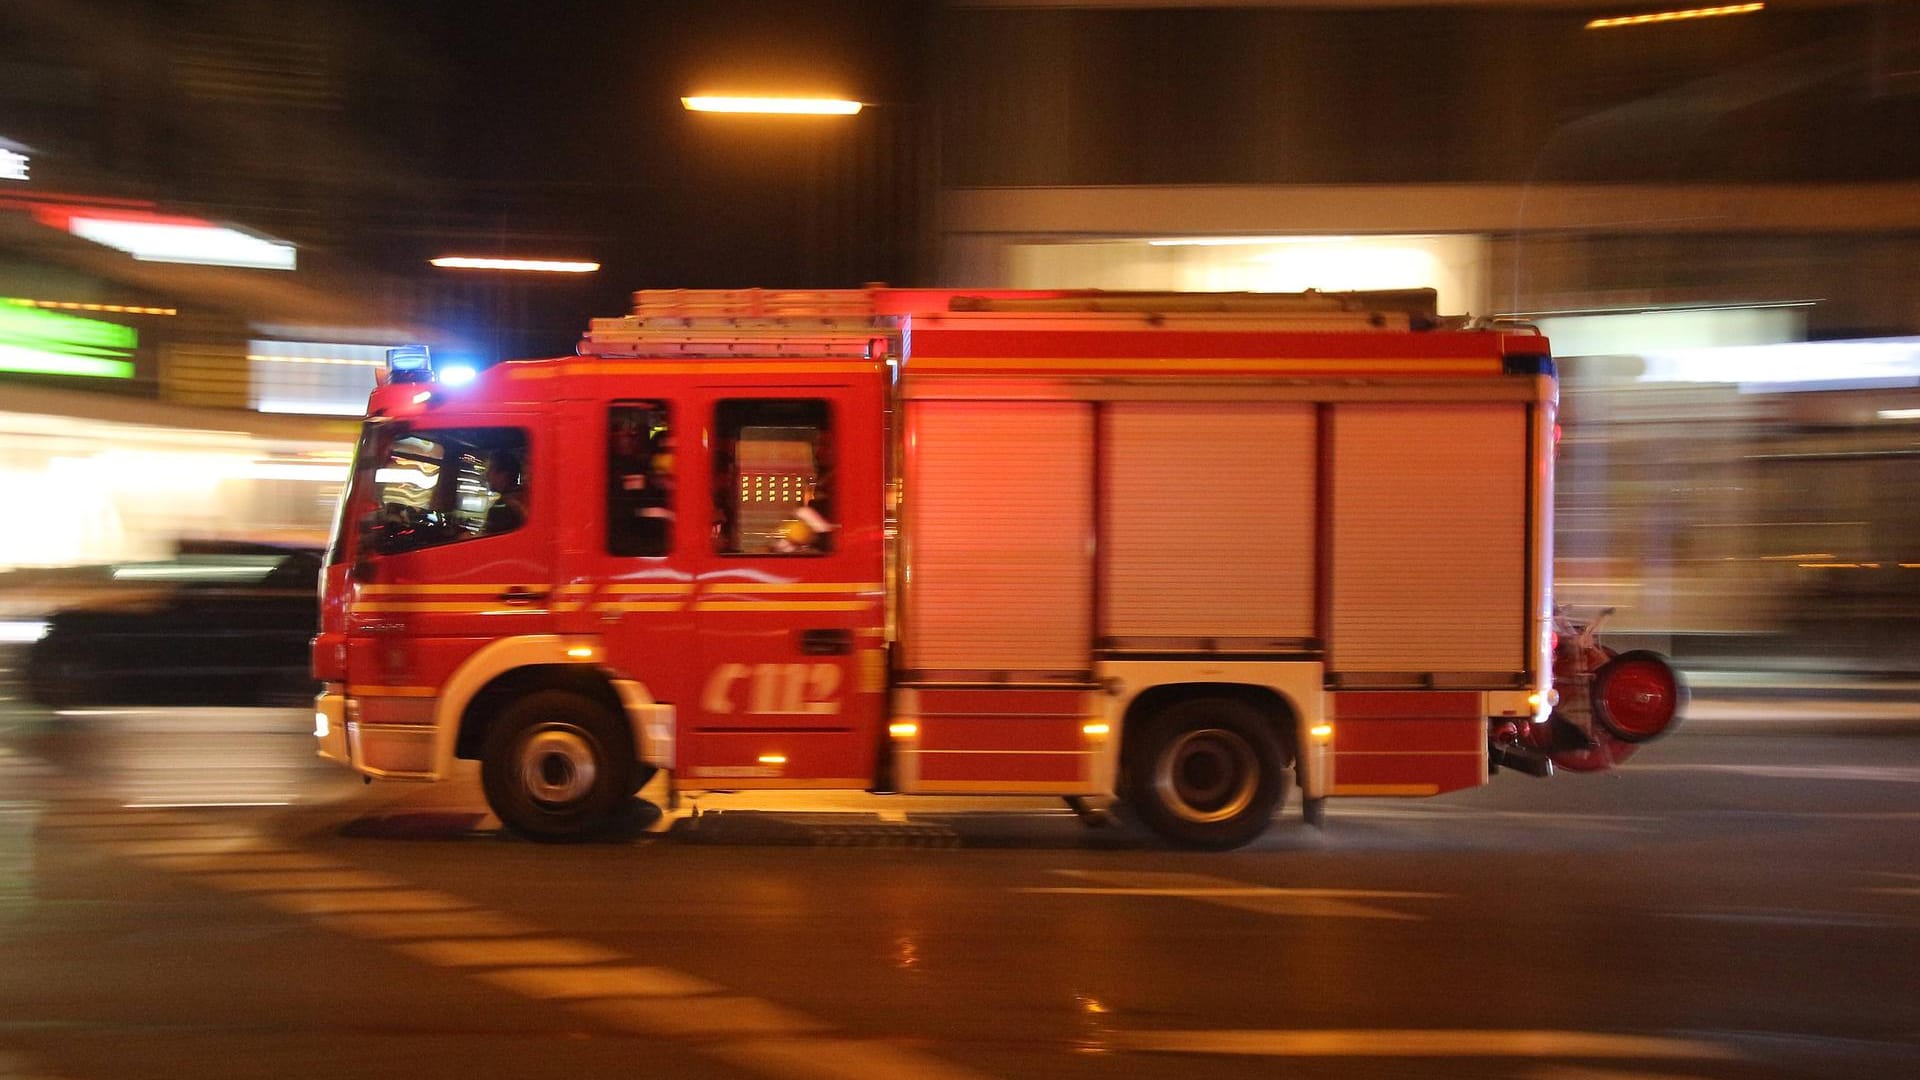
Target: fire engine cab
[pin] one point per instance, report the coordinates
(1186, 550)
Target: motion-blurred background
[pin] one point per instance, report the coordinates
(216, 215)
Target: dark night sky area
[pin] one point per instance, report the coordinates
(561, 130)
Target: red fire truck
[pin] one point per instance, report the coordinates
(1182, 549)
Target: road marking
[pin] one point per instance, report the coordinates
(266, 860)
(380, 900)
(204, 805)
(712, 1017)
(1414, 1043)
(493, 948)
(309, 880)
(1308, 903)
(507, 952)
(1765, 917)
(1895, 890)
(837, 1059)
(1560, 1072)
(206, 846)
(578, 984)
(401, 925)
(1895, 774)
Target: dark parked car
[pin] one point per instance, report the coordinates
(230, 625)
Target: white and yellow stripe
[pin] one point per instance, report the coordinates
(624, 598)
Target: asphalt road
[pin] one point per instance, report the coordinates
(189, 893)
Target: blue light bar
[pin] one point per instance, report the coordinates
(409, 364)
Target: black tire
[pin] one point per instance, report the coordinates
(1208, 773)
(557, 766)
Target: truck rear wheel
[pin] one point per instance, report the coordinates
(556, 766)
(1208, 773)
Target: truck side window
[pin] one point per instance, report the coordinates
(640, 479)
(772, 477)
(441, 487)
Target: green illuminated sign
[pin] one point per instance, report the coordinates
(36, 342)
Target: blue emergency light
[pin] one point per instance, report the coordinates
(409, 364)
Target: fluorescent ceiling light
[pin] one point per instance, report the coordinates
(1675, 16)
(312, 408)
(200, 245)
(1244, 241)
(539, 266)
(782, 106)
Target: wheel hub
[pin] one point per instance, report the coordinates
(1207, 775)
(557, 765)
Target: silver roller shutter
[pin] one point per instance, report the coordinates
(1429, 538)
(1209, 522)
(999, 536)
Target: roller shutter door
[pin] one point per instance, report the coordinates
(999, 536)
(1429, 543)
(1209, 523)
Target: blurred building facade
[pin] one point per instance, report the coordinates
(1701, 212)
(1713, 217)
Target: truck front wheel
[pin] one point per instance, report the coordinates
(556, 766)
(1208, 773)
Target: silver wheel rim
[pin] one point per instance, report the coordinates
(1207, 775)
(556, 765)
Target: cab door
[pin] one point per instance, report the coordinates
(449, 560)
(790, 603)
(631, 546)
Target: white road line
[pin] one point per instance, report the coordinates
(1562, 1072)
(578, 984)
(181, 831)
(312, 880)
(507, 952)
(1787, 917)
(710, 1017)
(269, 860)
(837, 1059)
(205, 805)
(206, 846)
(1897, 774)
(448, 931)
(381, 900)
(402, 925)
(1414, 1043)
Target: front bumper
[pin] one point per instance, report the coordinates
(382, 751)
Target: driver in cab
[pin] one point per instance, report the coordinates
(509, 509)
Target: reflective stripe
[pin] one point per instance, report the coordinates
(374, 690)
